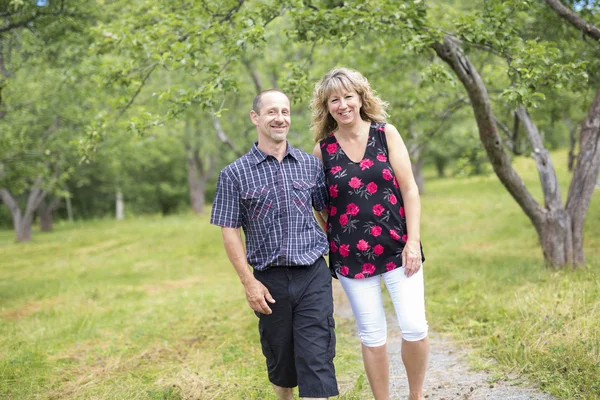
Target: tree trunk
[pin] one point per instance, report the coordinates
(45, 212)
(556, 238)
(196, 181)
(22, 222)
(416, 161)
(440, 166)
(418, 174)
(119, 206)
(585, 175)
(69, 208)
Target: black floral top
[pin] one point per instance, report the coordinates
(366, 227)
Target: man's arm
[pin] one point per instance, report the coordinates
(256, 293)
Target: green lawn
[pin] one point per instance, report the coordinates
(150, 308)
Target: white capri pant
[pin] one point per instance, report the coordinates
(408, 297)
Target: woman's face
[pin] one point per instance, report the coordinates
(344, 106)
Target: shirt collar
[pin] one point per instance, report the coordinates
(260, 156)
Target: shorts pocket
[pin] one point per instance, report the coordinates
(264, 343)
(302, 196)
(331, 347)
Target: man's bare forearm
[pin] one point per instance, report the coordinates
(234, 248)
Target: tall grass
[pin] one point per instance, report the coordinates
(151, 308)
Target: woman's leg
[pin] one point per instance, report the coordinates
(408, 298)
(367, 306)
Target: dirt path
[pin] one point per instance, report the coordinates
(448, 374)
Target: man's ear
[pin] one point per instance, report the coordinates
(254, 117)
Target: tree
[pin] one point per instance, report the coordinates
(559, 227)
(36, 117)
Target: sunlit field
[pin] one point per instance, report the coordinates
(151, 308)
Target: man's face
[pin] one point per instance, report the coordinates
(273, 121)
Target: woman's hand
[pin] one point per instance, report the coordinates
(411, 258)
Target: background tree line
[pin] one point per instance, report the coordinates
(136, 105)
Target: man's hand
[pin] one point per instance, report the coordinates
(258, 295)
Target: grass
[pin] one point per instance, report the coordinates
(150, 308)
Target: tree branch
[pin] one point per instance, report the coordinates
(550, 187)
(575, 20)
(137, 92)
(452, 54)
(9, 201)
(223, 136)
(585, 173)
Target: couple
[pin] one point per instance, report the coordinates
(362, 187)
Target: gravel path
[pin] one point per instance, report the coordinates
(448, 374)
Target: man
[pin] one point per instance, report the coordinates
(270, 193)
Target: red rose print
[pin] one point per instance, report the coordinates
(394, 234)
(395, 182)
(366, 164)
(371, 187)
(331, 148)
(355, 183)
(332, 211)
(405, 238)
(378, 250)
(368, 268)
(359, 276)
(387, 175)
(333, 190)
(376, 231)
(390, 266)
(381, 157)
(345, 250)
(343, 219)
(402, 213)
(393, 199)
(344, 270)
(378, 209)
(333, 247)
(363, 245)
(381, 129)
(352, 209)
(336, 169)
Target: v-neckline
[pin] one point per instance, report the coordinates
(366, 146)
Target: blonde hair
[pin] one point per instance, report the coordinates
(373, 108)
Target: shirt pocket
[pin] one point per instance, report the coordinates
(258, 202)
(302, 197)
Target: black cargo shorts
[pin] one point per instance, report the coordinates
(298, 338)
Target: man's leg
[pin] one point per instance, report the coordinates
(314, 335)
(276, 335)
(283, 393)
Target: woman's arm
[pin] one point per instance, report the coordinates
(321, 216)
(400, 162)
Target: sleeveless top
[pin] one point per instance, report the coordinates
(366, 227)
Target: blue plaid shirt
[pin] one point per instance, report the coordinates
(273, 203)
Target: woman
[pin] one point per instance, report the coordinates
(373, 222)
